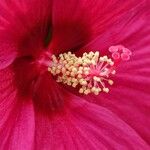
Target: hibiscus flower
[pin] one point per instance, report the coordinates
(37, 112)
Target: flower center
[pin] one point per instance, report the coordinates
(91, 72)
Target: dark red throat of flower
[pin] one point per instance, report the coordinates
(90, 73)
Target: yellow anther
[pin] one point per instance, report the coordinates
(84, 64)
(81, 90)
(57, 71)
(53, 68)
(86, 72)
(78, 71)
(61, 58)
(70, 68)
(83, 82)
(113, 72)
(97, 53)
(74, 80)
(106, 90)
(64, 62)
(53, 57)
(110, 82)
(91, 53)
(67, 65)
(69, 53)
(105, 58)
(74, 70)
(74, 85)
(101, 59)
(96, 56)
(72, 74)
(111, 63)
(86, 68)
(67, 73)
(61, 55)
(84, 54)
(93, 89)
(87, 61)
(49, 69)
(59, 67)
(79, 76)
(93, 62)
(70, 62)
(96, 78)
(68, 83)
(63, 70)
(80, 68)
(69, 79)
(87, 91)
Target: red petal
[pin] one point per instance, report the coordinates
(24, 26)
(37, 83)
(7, 54)
(84, 126)
(47, 95)
(79, 22)
(18, 133)
(129, 96)
(16, 116)
(7, 95)
(127, 30)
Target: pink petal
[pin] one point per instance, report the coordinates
(8, 94)
(24, 26)
(16, 116)
(84, 126)
(129, 96)
(18, 134)
(25, 72)
(47, 95)
(125, 31)
(79, 22)
(7, 54)
(32, 81)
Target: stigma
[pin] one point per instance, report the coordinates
(90, 73)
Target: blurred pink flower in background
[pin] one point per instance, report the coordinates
(38, 113)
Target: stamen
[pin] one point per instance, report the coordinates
(90, 73)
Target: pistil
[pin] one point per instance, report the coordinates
(90, 73)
